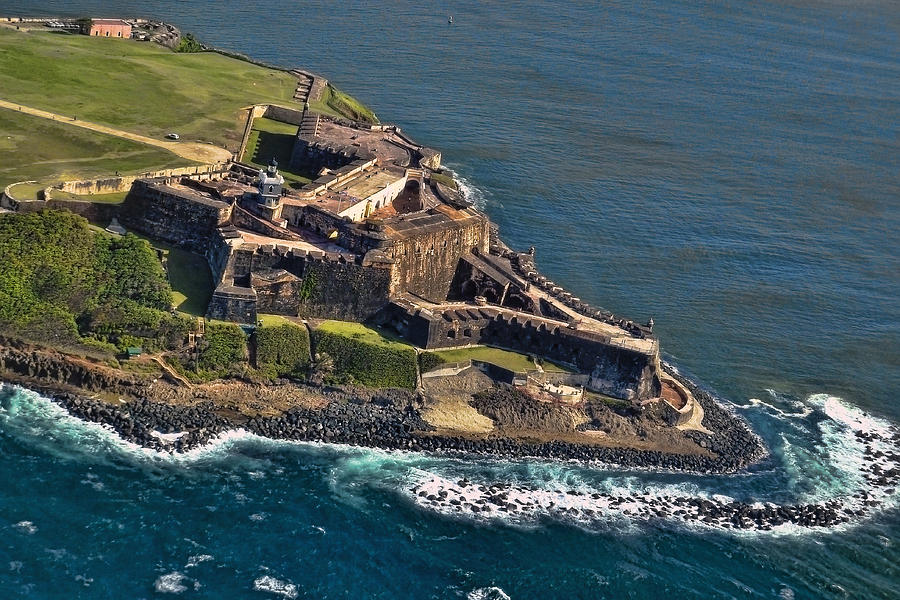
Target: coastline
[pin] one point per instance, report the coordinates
(139, 410)
(389, 420)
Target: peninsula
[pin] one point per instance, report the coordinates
(222, 243)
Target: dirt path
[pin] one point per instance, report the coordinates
(204, 153)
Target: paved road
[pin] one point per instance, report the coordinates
(204, 153)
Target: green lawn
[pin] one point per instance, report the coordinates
(189, 277)
(191, 281)
(48, 152)
(502, 358)
(137, 86)
(114, 198)
(275, 320)
(270, 139)
(365, 334)
(444, 179)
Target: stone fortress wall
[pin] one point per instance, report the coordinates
(425, 262)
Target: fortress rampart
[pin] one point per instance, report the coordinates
(617, 367)
(178, 216)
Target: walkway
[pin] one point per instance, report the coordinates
(196, 151)
(171, 372)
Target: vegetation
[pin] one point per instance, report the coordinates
(61, 282)
(445, 180)
(113, 198)
(269, 139)
(428, 361)
(336, 103)
(282, 350)
(138, 87)
(188, 43)
(48, 151)
(502, 358)
(222, 351)
(366, 355)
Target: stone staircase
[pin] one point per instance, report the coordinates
(304, 84)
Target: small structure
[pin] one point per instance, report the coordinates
(270, 183)
(134, 352)
(566, 394)
(115, 227)
(265, 201)
(116, 28)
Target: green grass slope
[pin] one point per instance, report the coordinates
(136, 86)
(47, 151)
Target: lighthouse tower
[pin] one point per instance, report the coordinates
(269, 186)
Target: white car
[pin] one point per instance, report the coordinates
(173, 136)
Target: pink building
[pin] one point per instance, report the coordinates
(110, 28)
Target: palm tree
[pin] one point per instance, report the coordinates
(321, 366)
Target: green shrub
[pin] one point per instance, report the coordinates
(60, 281)
(429, 361)
(373, 365)
(282, 350)
(188, 43)
(222, 350)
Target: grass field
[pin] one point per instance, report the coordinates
(364, 334)
(189, 277)
(46, 151)
(502, 358)
(114, 198)
(135, 86)
(275, 320)
(269, 139)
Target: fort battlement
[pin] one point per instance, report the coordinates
(376, 238)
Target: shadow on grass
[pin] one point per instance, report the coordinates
(278, 146)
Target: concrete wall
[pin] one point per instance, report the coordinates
(294, 282)
(112, 185)
(98, 213)
(283, 114)
(345, 291)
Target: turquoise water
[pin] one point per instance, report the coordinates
(730, 168)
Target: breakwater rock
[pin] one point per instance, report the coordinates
(390, 419)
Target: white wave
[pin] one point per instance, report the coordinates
(487, 593)
(267, 583)
(170, 583)
(168, 437)
(469, 191)
(26, 527)
(195, 560)
(803, 412)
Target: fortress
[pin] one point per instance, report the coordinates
(376, 237)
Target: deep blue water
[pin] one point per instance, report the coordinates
(731, 168)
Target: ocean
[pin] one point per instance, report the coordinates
(731, 169)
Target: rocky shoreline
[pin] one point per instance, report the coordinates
(391, 419)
